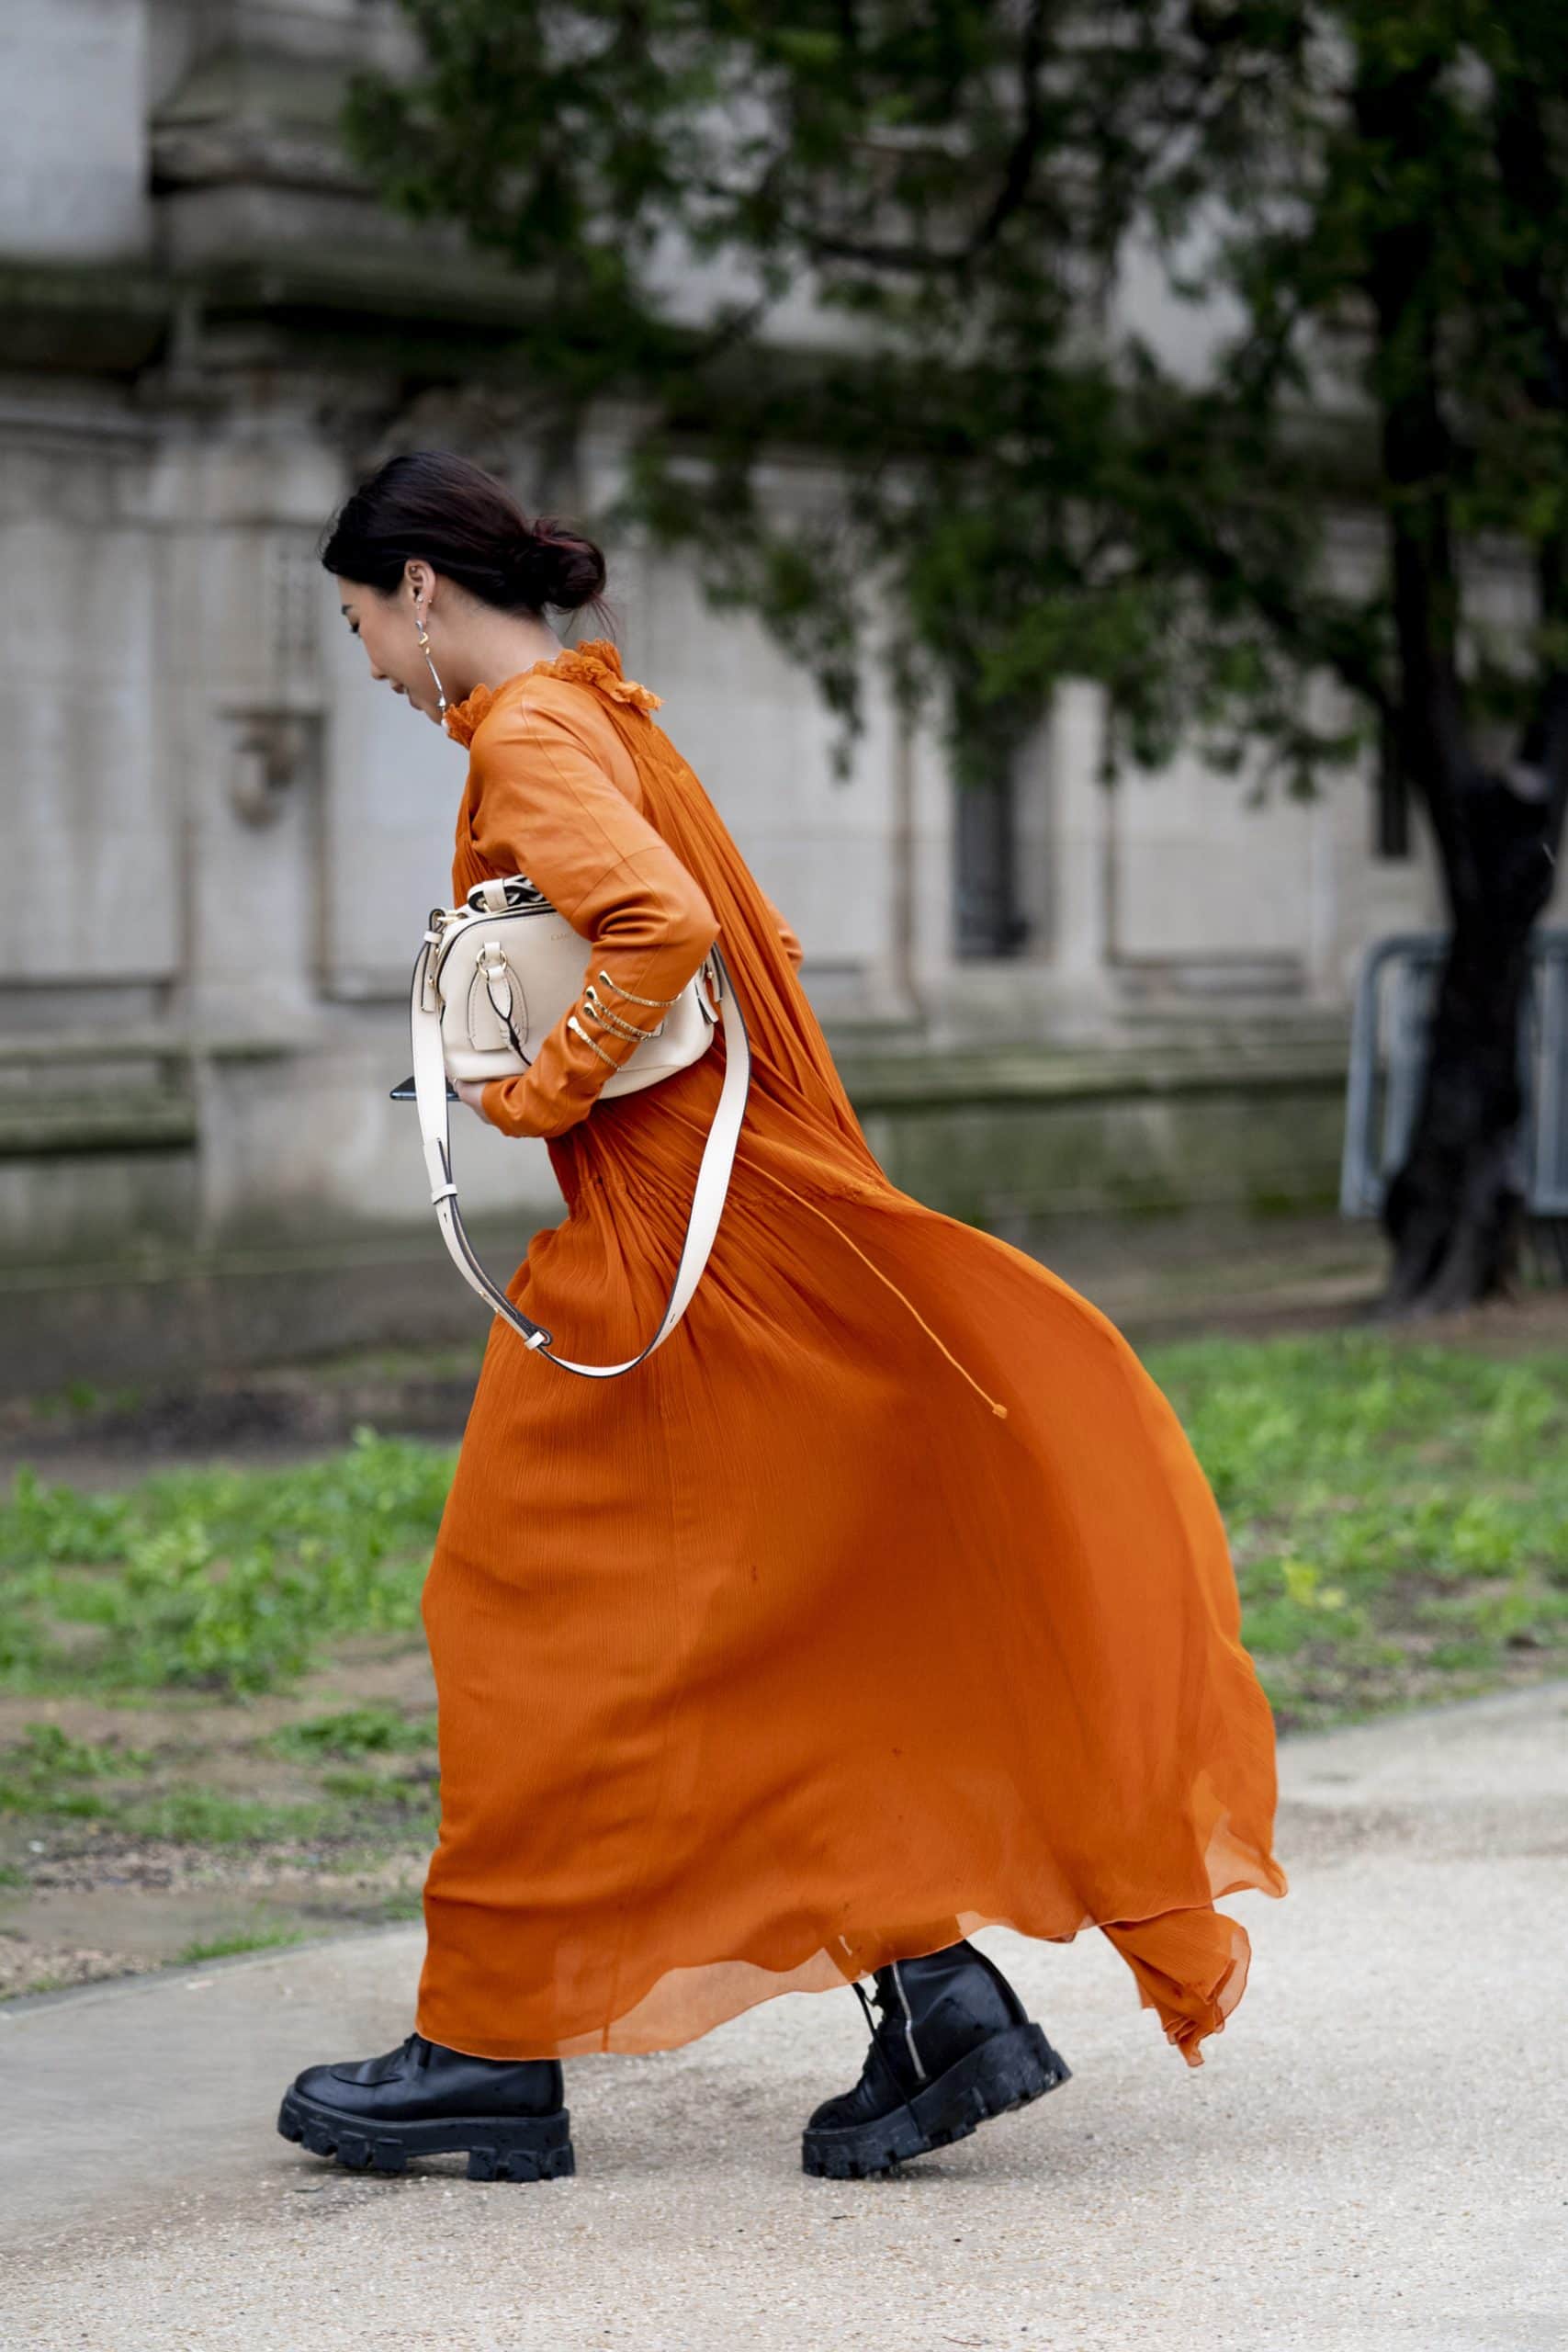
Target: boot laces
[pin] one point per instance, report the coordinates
(888, 2028)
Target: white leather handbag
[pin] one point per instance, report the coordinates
(491, 979)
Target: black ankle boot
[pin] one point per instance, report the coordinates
(424, 2100)
(952, 2048)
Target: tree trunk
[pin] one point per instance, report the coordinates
(1454, 1212)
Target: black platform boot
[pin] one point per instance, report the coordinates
(952, 2048)
(424, 2100)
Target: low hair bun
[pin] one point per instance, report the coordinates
(556, 565)
(450, 513)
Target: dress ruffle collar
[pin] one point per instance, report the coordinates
(597, 663)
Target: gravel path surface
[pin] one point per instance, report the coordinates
(1374, 2157)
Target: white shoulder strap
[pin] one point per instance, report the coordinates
(708, 1199)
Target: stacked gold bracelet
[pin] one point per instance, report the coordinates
(596, 1007)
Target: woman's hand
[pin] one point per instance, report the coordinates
(471, 1091)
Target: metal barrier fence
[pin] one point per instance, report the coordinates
(1389, 1044)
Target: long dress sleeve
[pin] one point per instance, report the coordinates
(546, 807)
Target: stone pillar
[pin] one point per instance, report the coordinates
(921, 855)
(89, 885)
(242, 674)
(73, 130)
(1082, 846)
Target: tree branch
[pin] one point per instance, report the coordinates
(1019, 166)
(1321, 638)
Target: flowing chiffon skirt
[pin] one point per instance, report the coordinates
(885, 1602)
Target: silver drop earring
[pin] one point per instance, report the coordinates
(424, 648)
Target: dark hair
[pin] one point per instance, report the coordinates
(453, 516)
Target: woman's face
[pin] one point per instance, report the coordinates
(388, 627)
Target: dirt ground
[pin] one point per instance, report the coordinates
(86, 1901)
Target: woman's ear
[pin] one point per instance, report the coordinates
(420, 582)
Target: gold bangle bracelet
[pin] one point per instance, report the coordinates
(609, 983)
(595, 1004)
(573, 1022)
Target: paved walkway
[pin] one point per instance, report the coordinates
(1375, 2156)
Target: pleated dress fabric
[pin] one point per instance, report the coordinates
(885, 1602)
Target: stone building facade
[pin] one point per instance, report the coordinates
(220, 841)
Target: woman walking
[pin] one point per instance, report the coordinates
(885, 1601)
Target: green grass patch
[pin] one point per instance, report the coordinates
(266, 1938)
(48, 1772)
(353, 1813)
(356, 1730)
(1398, 1514)
(53, 1785)
(194, 1816)
(230, 1581)
(1398, 1517)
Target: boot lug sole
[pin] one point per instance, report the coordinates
(1007, 2072)
(499, 2147)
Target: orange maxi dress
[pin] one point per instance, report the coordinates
(887, 1600)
